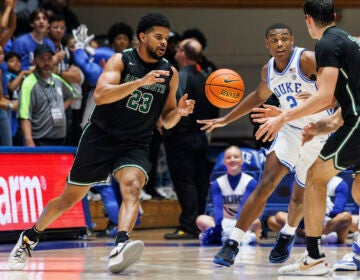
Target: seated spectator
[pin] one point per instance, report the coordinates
(337, 222)
(229, 192)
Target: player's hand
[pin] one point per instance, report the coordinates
(155, 77)
(210, 125)
(269, 128)
(185, 106)
(265, 112)
(308, 133)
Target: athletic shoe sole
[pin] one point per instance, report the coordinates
(221, 261)
(344, 265)
(128, 255)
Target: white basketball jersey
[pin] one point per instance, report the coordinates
(232, 198)
(288, 83)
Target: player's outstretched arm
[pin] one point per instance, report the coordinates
(252, 100)
(264, 112)
(323, 126)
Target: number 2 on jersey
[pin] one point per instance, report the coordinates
(139, 101)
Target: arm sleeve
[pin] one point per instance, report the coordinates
(91, 70)
(218, 202)
(341, 196)
(249, 189)
(102, 53)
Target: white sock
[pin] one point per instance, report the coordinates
(288, 230)
(237, 234)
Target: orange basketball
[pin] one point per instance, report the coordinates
(224, 88)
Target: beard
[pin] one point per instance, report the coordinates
(153, 54)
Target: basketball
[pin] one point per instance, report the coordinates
(224, 88)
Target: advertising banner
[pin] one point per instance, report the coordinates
(28, 181)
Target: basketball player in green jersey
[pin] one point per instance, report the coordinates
(134, 90)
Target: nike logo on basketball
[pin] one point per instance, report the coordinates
(229, 81)
(304, 265)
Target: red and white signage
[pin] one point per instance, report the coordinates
(27, 182)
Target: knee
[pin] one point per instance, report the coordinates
(200, 219)
(130, 188)
(346, 218)
(200, 222)
(280, 218)
(313, 180)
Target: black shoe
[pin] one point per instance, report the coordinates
(281, 251)
(180, 234)
(226, 255)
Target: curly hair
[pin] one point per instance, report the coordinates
(150, 20)
(119, 28)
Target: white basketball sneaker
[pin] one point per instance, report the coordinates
(124, 255)
(306, 266)
(21, 252)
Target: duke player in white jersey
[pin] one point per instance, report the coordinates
(229, 193)
(288, 73)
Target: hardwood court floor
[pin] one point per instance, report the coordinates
(162, 259)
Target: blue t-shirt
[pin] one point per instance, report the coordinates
(25, 46)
